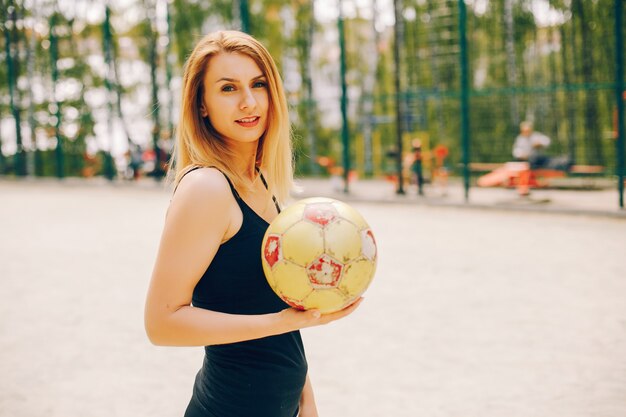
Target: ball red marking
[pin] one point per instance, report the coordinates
(272, 250)
(293, 303)
(324, 271)
(321, 214)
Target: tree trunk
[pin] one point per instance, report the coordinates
(305, 15)
(12, 56)
(54, 56)
(153, 57)
(511, 61)
(3, 22)
(118, 90)
(369, 84)
(169, 62)
(33, 157)
(108, 82)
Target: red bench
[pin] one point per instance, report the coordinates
(519, 174)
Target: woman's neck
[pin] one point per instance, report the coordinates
(245, 159)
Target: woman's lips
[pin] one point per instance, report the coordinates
(248, 121)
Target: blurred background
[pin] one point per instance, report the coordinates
(91, 88)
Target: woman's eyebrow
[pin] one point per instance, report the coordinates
(233, 80)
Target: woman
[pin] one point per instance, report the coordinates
(233, 167)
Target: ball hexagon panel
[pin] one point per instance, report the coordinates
(287, 218)
(303, 243)
(324, 272)
(356, 277)
(291, 281)
(325, 301)
(348, 212)
(342, 240)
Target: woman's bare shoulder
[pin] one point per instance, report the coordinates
(202, 181)
(203, 188)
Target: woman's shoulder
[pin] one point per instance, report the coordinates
(204, 178)
(203, 184)
(202, 205)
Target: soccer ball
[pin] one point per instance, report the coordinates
(319, 253)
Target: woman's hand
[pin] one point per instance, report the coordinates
(299, 319)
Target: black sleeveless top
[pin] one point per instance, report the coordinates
(255, 378)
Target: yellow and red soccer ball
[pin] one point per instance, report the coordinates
(319, 253)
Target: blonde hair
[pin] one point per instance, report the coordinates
(199, 144)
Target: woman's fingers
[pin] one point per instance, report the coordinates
(309, 318)
(330, 317)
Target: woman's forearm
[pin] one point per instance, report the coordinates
(193, 326)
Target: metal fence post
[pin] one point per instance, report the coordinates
(465, 133)
(345, 132)
(620, 96)
(398, 36)
(244, 15)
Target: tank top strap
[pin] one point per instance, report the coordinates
(192, 168)
(232, 188)
(230, 184)
(267, 188)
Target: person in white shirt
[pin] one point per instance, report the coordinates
(530, 145)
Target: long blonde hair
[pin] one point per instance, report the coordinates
(197, 142)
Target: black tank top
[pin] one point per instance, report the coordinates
(256, 378)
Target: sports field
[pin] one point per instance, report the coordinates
(472, 313)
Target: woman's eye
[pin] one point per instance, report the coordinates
(228, 88)
(259, 84)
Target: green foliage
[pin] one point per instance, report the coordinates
(563, 78)
(189, 19)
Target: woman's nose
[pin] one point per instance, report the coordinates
(248, 101)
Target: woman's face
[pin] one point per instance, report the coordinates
(236, 99)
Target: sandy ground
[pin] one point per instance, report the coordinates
(473, 313)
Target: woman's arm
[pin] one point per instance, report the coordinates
(308, 408)
(198, 220)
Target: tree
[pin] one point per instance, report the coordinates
(10, 17)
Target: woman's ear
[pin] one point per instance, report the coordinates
(203, 111)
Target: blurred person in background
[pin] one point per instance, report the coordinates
(417, 165)
(135, 161)
(530, 146)
(232, 169)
